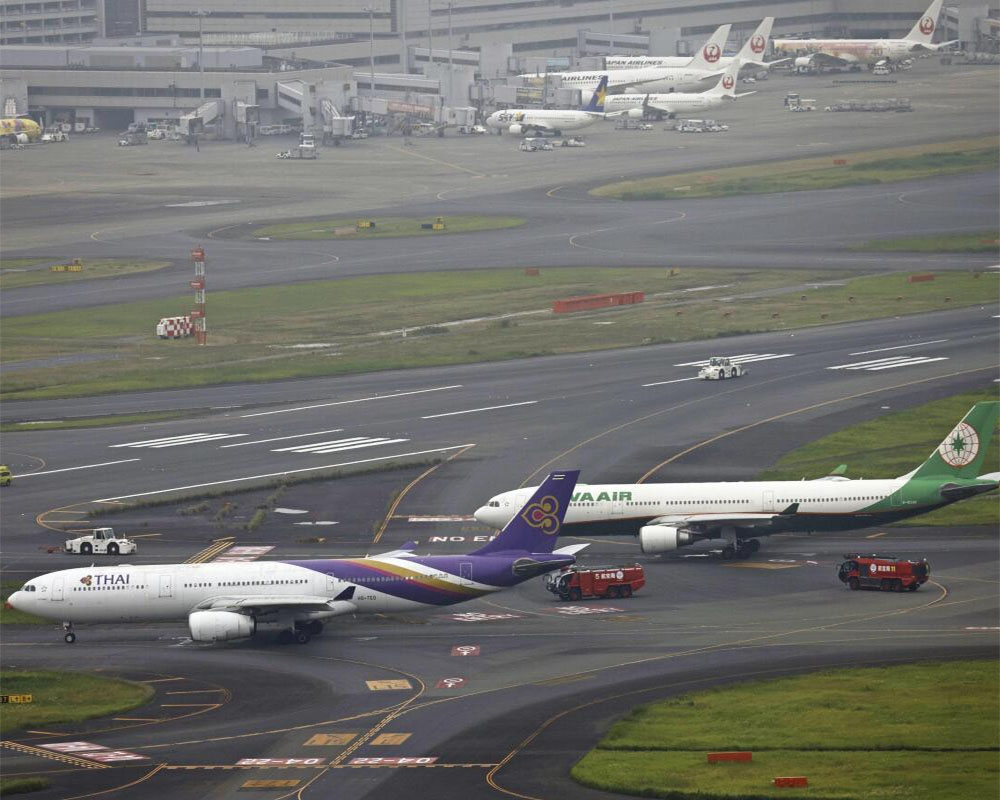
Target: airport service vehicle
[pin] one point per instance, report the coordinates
(471, 130)
(132, 138)
(888, 573)
(638, 106)
(536, 121)
(5, 475)
(812, 55)
(531, 144)
(571, 142)
(751, 53)
(226, 601)
(101, 540)
(667, 516)
(576, 583)
(175, 327)
(696, 74)
(719, 367)
(54, 135)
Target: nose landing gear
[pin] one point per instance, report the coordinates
(69, 637)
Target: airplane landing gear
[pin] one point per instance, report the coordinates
(70, 637)
(741, 548)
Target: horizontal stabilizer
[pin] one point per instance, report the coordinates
(952, 491)
(570, 550)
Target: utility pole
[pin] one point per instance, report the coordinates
(371, 43)
(430, 32)
(451, 62)
(611, 19)
(201, 14)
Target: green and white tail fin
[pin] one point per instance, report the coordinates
(962, 452)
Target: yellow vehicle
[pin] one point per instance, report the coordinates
(20, 130)
(5, 476)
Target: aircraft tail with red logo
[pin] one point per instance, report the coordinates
(707, 58)
(922, 33)
(535, 528)
(726, 87)
(755, 47)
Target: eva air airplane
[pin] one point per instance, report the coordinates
(227, 601)
(671, 515)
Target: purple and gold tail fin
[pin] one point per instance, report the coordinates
(536, 526)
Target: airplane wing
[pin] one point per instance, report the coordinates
(707, 524)
(316, 606)
(821, 59)
(406, 551)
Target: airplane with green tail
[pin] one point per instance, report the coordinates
(667, 516)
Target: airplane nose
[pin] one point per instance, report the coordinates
(13, 600)
(481, 515)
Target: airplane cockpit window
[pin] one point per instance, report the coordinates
(28, 588)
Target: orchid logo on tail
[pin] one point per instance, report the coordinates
(542, 515)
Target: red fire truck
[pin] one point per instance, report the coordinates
(887, 573)
(575, 583)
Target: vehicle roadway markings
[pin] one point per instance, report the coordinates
(890, 362)
(744, 358)
(389, 685)
(210, 552)
(349, 402)
(178, 441)
(388, 739)
(282, 473)
(897, 347)
(339, 445)
(73, 469)
(477, 410)
(281, 438)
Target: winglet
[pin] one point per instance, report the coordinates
(840, 469)
(791, 511)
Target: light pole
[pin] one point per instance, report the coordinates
(201, 14)
(371, 43)
(430, 32)
(611, 20)
(451, 62)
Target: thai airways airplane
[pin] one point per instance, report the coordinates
(228, 601)
(635, 106)
(703, 67)
(671, 515)
(814, 53)
(551, 120)
(751, 53)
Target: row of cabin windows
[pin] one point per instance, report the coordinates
(102, 588)
(246, 583)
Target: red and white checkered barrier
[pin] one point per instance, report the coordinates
(175, 327)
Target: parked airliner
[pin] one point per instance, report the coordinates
(671, 515)
(700, 69)
(751, 54)
(637, 106)
(537, 121)
(815, 53)
(228, 601)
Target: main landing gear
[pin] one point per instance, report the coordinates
(742, 548)
(70, 637)
(301, 633)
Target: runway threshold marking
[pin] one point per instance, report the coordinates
(897, 347)
(281, 438)
(55, 756)
(284, 472)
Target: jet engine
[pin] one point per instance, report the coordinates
(635, 113)
(516, 129)
(220, 626)
(803, 62)
(661, 539)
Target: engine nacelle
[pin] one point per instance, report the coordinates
(635, 113)
(220, 626)
(803, 62)
(662, 539)
(515, 129)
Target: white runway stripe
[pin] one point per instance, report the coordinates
(176, 441)
(676, 380)
(282, 438)
(744, 358)
(354, 443)
(297, 447)
(898, 347)
(476, 410)
(877, 364)
(349, 402)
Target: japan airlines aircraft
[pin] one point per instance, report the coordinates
(671, 515)
(751, 53)
(228, 601)
(862, 52)
(537, 121)
(703, 67)
(635, 106)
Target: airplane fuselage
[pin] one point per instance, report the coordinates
(859, 51)
(664, 79)
(542, 119)
(678, 102)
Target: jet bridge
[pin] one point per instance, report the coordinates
(194, 122)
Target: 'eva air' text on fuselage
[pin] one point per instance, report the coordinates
(587, 497)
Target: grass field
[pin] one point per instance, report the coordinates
(981, 242)
(92, 268)
(9, 786)
(385, 227)
(65, 697)
(925, 730)
(356, 324)
(885, 165)
(93, 422)
(905, 439)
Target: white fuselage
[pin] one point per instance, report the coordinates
(655, 79)
(859, 51)
(675, 103)
(657, 62)
(542, 119)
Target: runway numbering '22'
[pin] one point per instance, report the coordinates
(228, 601)
(670, 515)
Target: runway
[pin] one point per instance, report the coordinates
(500, 696)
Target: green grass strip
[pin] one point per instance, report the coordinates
(891, 446)
(981, 242)
(924, 729)
(92, 268)
(885, 165)
(9, 786)
(385, 227)
(65, 697)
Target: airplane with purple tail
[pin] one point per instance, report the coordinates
(225, 601)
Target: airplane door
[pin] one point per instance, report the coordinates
(166, 586)
(617, 506)
(331, 584)
(767, 502)
(465, 573)
(896, 500)
(57, 588)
